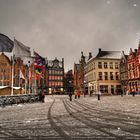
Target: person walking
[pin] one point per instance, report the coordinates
(75, 94)
(78, 93)
(43, 96)
(70, 95)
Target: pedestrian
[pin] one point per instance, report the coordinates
(133, 93)
(70, 95)
(43, 96)
(40, 96)
(78, 93)
(75, 94)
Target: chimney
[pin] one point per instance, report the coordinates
(100, 49)
(90, 55)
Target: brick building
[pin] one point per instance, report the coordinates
(5, 70)
(134, 70)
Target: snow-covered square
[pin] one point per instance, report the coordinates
(85, 118)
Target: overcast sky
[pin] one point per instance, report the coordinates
(64, 28)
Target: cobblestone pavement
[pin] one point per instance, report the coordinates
(113, 117)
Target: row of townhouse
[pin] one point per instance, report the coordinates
(110, 72)
(25, 75)
(27, 71)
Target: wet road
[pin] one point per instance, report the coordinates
(113, 117)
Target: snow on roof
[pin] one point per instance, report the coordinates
(109, 54)
(1, 87)
(25, 59)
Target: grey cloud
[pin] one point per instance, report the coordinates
(64, 28)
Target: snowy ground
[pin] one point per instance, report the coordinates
(85, 118)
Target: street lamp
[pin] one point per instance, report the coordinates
(98, 90)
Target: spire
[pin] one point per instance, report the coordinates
(81, 54)
(139, 43)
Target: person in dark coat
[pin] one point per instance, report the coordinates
(40, 96)
(70, 95)
(75, 94)
(43, 96)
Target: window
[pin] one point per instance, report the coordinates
(117, 76)
(100, 75)
(111, 65)
(104, 88)
(105, 65)
(105, 75)
(111, 76)
(116, 65)
(129, 66)
(100, 65)
(133, 66)
(112, 89)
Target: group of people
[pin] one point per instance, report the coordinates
(77, 95)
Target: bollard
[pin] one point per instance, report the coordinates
(98, 96)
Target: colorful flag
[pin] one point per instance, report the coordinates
(38, 71)
(39, 61)
(6, 44)
(20, 50)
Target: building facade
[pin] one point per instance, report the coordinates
(55, 76)
(69, 82)
(76, 76)
(134, 70)
(5, 70)
(102, 73)
(79, 71)
(124, 72)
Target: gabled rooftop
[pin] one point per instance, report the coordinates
(108, 54)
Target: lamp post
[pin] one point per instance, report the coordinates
(84, 86)
(29, 75)
(98, 90)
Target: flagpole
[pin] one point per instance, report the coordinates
(12, 69)
(25, 85)
(3, 79)
(26, 80)
(29, 75)
(34, 73)
(12, 75)
(33, 79)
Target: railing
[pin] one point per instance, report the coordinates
(18, 99)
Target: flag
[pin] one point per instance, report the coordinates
(38, 71)
(39, 61)
(21, 75)
(6, 44)
(20, 50)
